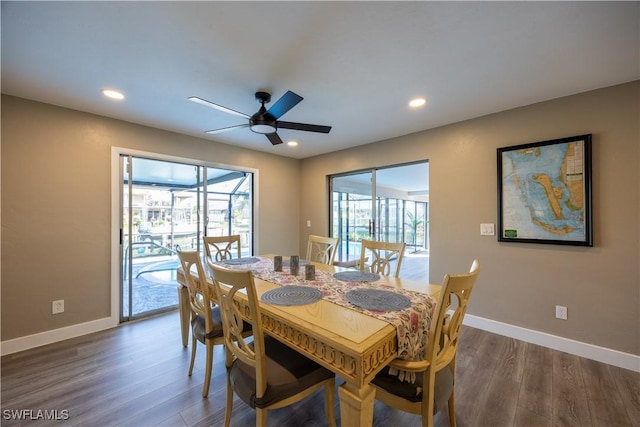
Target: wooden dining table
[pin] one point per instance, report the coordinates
(354, 345)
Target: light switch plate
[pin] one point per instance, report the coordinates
(487, 230)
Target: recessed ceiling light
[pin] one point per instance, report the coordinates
(417, 102)
(113, 94)
(292, 143)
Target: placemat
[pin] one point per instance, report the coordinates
(377, 299)
(292, 295)
(239, 261)
(357, 276)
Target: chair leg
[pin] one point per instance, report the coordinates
(208, 368)
(261, 417)
(427, 411)
(229, 407)
(194, 346)
(452, 411)
(329, 393)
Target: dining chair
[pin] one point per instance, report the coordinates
(432, 387)
(206, 323)
(265, 373)
(322, 249)
(382, 256)
(219, 248)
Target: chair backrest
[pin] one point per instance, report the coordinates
(381, 256)
(228, 283)
(322, 249)
(200, 294)
(442, 344)
(219, 248)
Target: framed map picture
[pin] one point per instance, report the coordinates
(544, 192)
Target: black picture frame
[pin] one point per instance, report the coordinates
(544, 192)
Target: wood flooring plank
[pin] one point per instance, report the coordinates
(473, 376)
(605, 403)
(511, 359)
(570, 403)
(175, 420)
(500, 402)
(628, 383)
(527, 418)
(536, 388)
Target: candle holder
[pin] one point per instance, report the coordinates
(277, 263)
(294, 265)
(310, 272)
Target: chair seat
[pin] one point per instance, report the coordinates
(198, 326)
(413, 391)
(288, 373)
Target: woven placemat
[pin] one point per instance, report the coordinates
(240, 261)
(292, 295)
(356, 276)
(377, 299)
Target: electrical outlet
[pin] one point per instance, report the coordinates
(561, 312)
(57, 307)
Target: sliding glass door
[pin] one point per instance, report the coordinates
(168, 206)
(353, 215)
(384, 204)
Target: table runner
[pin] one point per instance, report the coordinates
(412, 323)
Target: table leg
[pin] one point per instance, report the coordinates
(185, 313)
(356, 404)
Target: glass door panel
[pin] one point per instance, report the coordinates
(353, 216)
(229, 206)
(163, 218)
(163, 206)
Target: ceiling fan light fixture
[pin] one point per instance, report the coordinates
(263, 122)
(263, 128)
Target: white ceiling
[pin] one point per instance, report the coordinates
(356, 64)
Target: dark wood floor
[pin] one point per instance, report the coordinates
(136, 375)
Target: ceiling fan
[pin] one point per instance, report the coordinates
(266, 121)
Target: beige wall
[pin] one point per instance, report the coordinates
(520, 284)
(56, 207)
(56, 212)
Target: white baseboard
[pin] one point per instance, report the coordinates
(48, 337)
(589, 351)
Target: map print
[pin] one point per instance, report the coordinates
(543, 192)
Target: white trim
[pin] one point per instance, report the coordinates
(116, 204)
(567, 345)
(48, 337)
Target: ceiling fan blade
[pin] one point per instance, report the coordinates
(214, 131)
(216, 106)
(274, 138)
(284, 104)
(303, 126)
